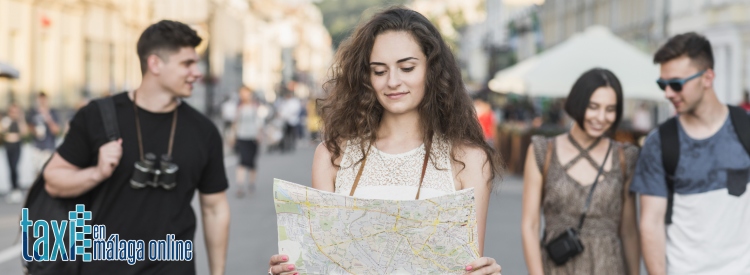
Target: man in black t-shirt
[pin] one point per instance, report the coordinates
(152, 121)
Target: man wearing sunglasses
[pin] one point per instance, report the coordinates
(696, 219)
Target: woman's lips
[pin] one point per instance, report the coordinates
(595, 127)
(396, 95)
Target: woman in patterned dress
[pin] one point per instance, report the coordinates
(396, 96)
(558, 177)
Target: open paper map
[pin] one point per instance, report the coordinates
(327, 233)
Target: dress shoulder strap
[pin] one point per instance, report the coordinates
(547, 158)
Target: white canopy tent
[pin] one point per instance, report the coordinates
(8, 71)
(553, 72)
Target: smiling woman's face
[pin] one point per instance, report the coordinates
(397, 72)
(601, 112)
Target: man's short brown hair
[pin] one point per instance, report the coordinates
(693, 45)
(165, 37)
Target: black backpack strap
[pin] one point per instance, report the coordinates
(112, 130)
(670, 156)
(109, 117)
(741, 123)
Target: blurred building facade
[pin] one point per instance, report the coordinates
(649, 23)
(73, 49)
(69, 48)
(491, 41)
(636, 21)
(294, 31)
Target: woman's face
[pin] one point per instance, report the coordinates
(245, 95)
(397, 71)
(601, 112)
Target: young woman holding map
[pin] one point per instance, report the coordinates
(399, 124)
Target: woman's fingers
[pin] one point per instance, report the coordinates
(283, 269)
(477, 264)
(482, 266)
(277, 259)
(279, 266)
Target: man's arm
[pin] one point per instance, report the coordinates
(653, 234)
(65, 180)
(215, 210)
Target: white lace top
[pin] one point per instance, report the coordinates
(396, 176)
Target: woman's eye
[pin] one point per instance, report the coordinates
(379, 73)
(408, 69)
(592, 107)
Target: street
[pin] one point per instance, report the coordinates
(253, 237)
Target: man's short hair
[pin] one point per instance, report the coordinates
(163, 38)
(693, 45)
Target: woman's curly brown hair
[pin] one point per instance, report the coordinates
(351, 109)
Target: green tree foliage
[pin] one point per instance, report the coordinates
(341, 16)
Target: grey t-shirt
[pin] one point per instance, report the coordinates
(710, 227)
(717, 162)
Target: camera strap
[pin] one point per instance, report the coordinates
(138, 129)
(593, 186)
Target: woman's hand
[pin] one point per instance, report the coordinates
(278, 265)
(483, 266)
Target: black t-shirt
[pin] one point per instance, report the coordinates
(148, 213)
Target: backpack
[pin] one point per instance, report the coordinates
(42, 206)
(670, 148)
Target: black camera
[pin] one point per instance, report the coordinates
(147, 173)
(565, 246)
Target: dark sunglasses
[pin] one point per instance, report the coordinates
(676, 84)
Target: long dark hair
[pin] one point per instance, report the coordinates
(351, 109)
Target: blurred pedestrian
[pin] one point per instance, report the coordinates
(401, 114)
(745, 105)
(302, 125)
(274, 133)
(228, 115)
(692, 174)
(13, 128)
(44, 126)
(486, 117)
(149, 198)
(313, 121)
(246, 130)
(580, 180)
(289, 112)
(555, 113)
(642, 123)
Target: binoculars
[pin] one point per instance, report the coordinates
(146, 173)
